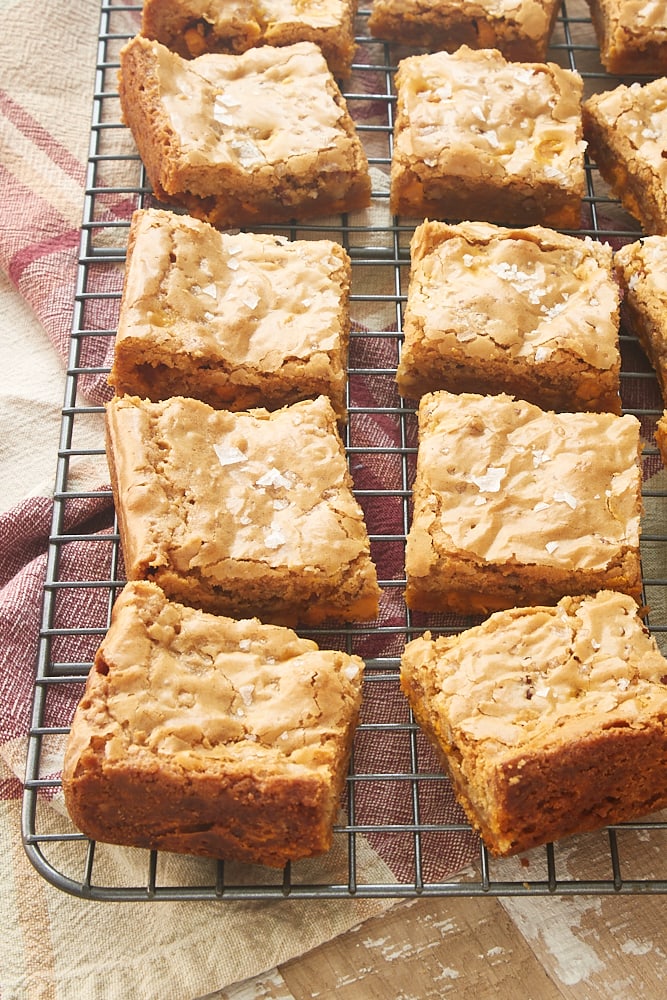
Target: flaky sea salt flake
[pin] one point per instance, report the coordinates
(562, 496)
(228, 454)
(273, 477)
(491, 480)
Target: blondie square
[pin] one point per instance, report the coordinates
(245, 514)
(194, 27)
(514, 505)
(236, 320)
(208, 736)
(480, 138)
(528, 312)
(626, 129)
(642, 272)
(550, 720)
(520, 29)
(632, 36)
(260, 137)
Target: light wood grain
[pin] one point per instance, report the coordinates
(560, 947)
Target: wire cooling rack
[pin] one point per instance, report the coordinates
(401, 834)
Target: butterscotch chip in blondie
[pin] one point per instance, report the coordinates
(550, 720)
(242, 514)
(626, 129)
(632, 36)
(237, 320)
(515, 505)
(260, 137)
(642, 272)
(520, 29)
(530, 312)
(194, 27)
(204, 735)
(478, 137)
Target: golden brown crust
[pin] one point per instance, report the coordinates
(208, 736)
(241, 514)
(550, 720)
(261, 137)
(625, 130)
(234, 320)
(194, 27)
(480, 138)
(642, 273)
(632, 36)
(515, 505)
(531, 312)
(520, 29)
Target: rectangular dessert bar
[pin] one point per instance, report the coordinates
(550, 720)
(642, 273)
(208, 736)
(242, 514)
(520, 29)
(514, 505)
(632, 36)
(480, 138)
(530, 312)
(237, 320)
(194, 27)
(260, 137)
(626, 130)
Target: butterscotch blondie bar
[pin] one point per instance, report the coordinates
(642, 272)
(632, 36)
(550, 720)
(264, 136)
(530, 312)
(242, 514)
(209, 736)
(626, 129)
(520, 29)
(515, 505)
(194, 27)
(237, 320)
(480, 138)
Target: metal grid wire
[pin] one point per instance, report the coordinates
(399, 806)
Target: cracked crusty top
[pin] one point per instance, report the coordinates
(543, 674)
(260, 297)
(638, 117)
(502, 479)
(642, 266)
(525, 293)
(267, 14)
(228, 495)
(171, 681)
(472, 112)
(258, 109)
(636, 16)
(532, 17)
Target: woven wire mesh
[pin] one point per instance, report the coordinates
(402, 833)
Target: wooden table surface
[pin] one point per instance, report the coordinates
(602, 947)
